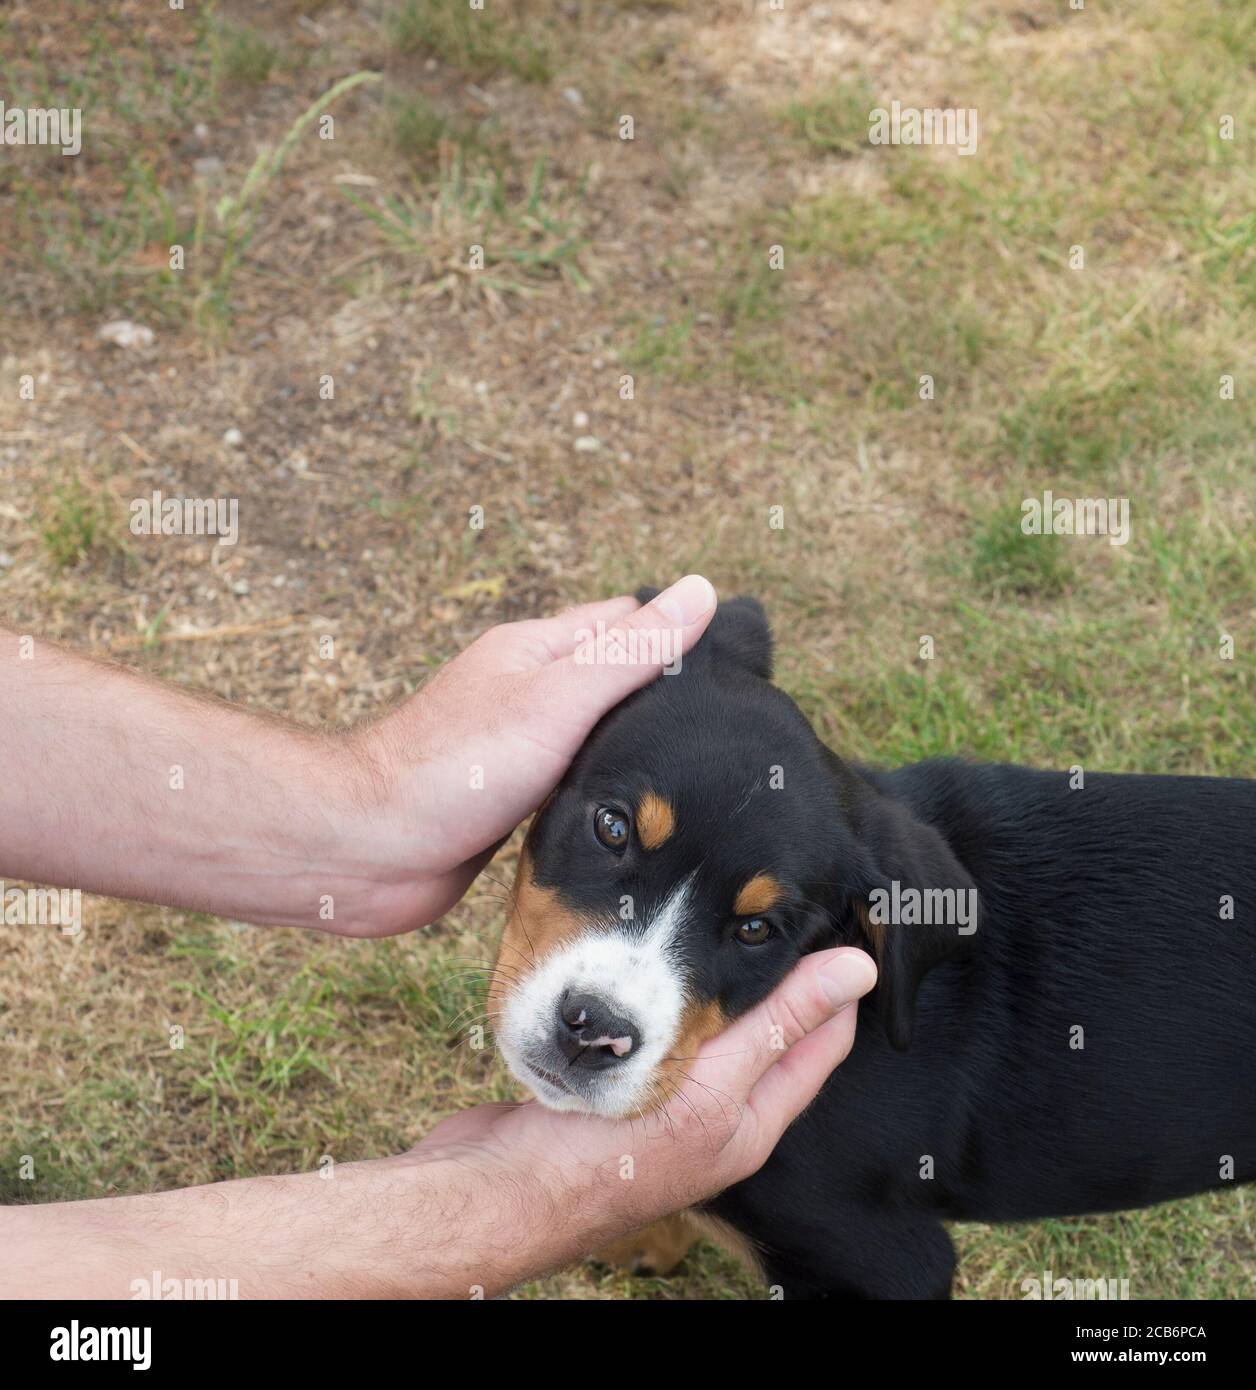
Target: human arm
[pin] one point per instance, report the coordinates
(119, 784)
(493, 1196)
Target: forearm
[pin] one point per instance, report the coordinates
(392, 1228)
(117, 784)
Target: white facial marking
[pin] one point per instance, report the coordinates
(636, 971)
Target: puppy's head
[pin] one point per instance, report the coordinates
(701, 842)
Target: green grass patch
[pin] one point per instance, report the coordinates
(478, 42)
(245, 56)
(835, 121)
(1198, 1248)
(1005, 559)
(1051, 649)
(962, 268)
(32, 1174)
(525, 230)
(660, 345)
(421, 132)
(76, 525)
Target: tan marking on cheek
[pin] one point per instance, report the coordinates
(537, 923)
(655, 821)
(759, 894)
(700, 1022)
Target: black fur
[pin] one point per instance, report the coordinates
(1099, 911)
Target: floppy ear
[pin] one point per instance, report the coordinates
(915, 902)
(739, 633)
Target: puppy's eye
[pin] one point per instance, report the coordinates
(611, 827)
(754, 933)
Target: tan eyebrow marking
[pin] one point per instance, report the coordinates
(759, 894)
(655, 820)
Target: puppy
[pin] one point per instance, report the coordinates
(1065, 1019)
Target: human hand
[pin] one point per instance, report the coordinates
(562, 1185)
(367, 833)
(449, 774)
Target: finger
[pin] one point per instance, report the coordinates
(807, 999)
(619, 659)
(561, 632)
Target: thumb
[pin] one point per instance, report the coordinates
(818, 988)
(792, 1083)
(610, 662)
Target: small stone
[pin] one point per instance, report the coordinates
(588, 444)
(125, 334)
(580, 420)
(233, 437)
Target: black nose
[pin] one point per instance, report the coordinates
(591, 1034)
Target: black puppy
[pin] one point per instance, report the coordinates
(1065, 1020)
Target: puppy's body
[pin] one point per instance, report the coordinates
(1096, 1050)
(1086, 1043)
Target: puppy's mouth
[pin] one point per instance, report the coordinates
(550, 1078)
(552, 1090)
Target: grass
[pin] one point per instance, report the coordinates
(419, 130)
(1005, 558)
(247, 58)
(479, 42)
(237, 215)
(836, 121)
(959, 267)
(77, 525)
(482, 228)
(1180, 1250)
(95, 246)
(753, 388)
(661, 346)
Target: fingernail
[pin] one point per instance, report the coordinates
(687, 600)
(846, 978)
